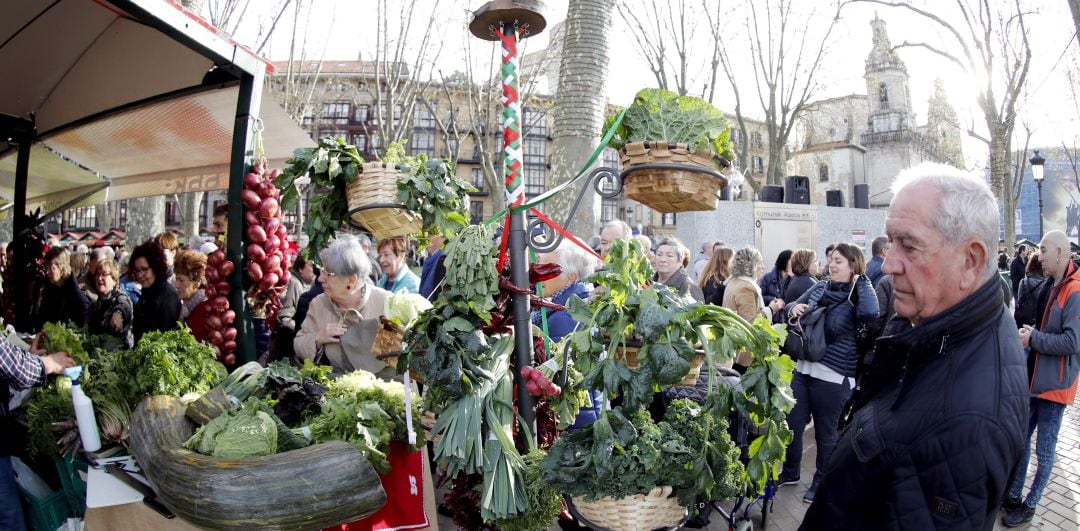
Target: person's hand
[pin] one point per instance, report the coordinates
(35, 345)
(776, 304)
(330, 333)
(1025, 335)
(798, 310)
(56, 362)
(117, 321)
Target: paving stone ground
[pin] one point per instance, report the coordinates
(1058, 510)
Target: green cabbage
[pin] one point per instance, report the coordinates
(658, 114)
(237, 434)
(404, 308)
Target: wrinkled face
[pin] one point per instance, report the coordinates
(608, 235)
(389, 262)
(141, 272)
(104, 282)
(553, 285)
(926, 271)
(668, 260)
(839, 267)
(307, 273)
(170, 255)
(337, 287)
(186, 287)
(759, 269)
(54, 273)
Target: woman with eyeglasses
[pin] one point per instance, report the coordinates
(61, 301)
(111, 314)
(341, 322)
(159, 305)
(822, 387)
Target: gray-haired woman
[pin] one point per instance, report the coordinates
(670, 271)
(349, 306)
(742, 294)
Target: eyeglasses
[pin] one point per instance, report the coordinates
(139, 270)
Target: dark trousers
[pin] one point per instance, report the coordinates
(823, 401)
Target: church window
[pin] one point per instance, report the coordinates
(883, 93)
(823, 173)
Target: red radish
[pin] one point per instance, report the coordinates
(214, 322)
(230, 359)
(215, 337)
(285, 276)
(251, 217)
(250, 198)
(222, 286)
(256, 234)
(230, 346)
(532, 388)
(255, 271)
(272, 262)
(282, 233)
(210, 292)
(218, 255)
(228, 317)
(212, 275)
(275, 173)
(271, 225)
(555, 390)
(229, 334)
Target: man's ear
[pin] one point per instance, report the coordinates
(975, 256)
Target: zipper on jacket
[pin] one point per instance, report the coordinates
(952, 367)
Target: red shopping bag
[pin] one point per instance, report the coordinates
(404, 486)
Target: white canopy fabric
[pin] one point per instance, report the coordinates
(124, 88)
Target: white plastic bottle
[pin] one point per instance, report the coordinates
(84, 411)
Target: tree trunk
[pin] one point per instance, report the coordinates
(145, 219)
(579, 108)
(190, 216)
(1074, 6)
(1000, 169)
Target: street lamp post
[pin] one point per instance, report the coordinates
(1037, 163)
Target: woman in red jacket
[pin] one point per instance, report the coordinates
(190, 278)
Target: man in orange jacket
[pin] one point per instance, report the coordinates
(1052, 366)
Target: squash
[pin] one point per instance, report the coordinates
(209, 406)
(310, 488)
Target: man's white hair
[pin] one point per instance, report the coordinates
(966, 206)
(622, 225)
(574, 260)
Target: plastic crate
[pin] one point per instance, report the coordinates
(74, 485)
(48, 513)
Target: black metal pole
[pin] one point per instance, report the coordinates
(19, 224)
(523, 341)
(1039, 184)
(234, 238)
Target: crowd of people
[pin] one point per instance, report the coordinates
(924, 397)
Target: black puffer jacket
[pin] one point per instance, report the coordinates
(935, 428)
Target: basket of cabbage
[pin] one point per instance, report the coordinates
(399, 313)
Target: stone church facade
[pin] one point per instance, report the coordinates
(869, 139)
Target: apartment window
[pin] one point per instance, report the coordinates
(422, 115)
(359, 140)
(758, 164)
(361, 114)
(611, 159)
(336, 133)
(535, 165)
(736, 136)
(476, 211)
(122, 222)
(452, 148)
(477, 179)
(336, 112)
(422, 141)
(755, 141)
(374, 144)
(83, 217)
(477, 148)
(535, 123)
(609, 209)
(823, 173)
(668, 219)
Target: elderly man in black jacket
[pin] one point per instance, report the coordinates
(936, 425)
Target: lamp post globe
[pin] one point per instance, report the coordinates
(1037, 163)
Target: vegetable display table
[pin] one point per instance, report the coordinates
(131, 517)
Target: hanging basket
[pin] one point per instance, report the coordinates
(374, 205)
(640, 512)
(667, 177)
(629, 355)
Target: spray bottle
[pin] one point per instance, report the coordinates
(84, 411)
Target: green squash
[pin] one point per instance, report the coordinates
(310, 488)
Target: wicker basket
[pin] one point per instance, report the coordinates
(670, 190)
(373, 203)
(657, 509)
(695, 370)
(629, 356)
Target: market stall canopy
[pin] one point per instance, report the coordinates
(130, 92)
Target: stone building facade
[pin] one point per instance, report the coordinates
(869, 139)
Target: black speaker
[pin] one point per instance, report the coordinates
(834, 198)
(797, 190)
(772, 193)
(862, 196)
